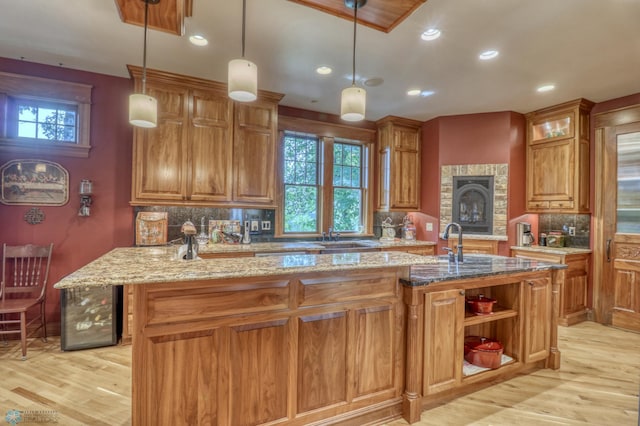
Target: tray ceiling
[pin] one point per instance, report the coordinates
(382, 15)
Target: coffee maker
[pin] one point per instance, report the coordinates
(524, 237)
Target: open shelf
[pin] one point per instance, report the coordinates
(469, 369)
(498, 313)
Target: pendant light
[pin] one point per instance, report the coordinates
(243, 74)
(354, 98)
(143, 109)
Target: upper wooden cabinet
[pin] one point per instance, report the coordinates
(558, 158)
(206, 149)
(398, 164)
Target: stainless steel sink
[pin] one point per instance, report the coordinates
(342, 244)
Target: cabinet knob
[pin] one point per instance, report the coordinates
(530, 283)
(461, 292)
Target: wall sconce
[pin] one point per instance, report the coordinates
(85, 197)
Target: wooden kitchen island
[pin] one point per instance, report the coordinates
(305, 339)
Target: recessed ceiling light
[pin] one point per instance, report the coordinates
(431, 34)
(546, 88)
(198, 40)
(324, 70)
(426, 93)
(414, 92)
(488, 54)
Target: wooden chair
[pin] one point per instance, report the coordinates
(25, 270)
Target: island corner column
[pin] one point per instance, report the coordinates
(412, 397)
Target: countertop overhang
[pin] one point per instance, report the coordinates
(144, 265)
(474, 266)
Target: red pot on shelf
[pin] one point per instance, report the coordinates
(480, 304)
(483, 352)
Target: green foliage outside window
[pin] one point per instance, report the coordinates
(347, 193)
(301, 183)
(51, 122)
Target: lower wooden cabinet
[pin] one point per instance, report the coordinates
(475, 246)
(537, 310)
(269, 350)
(573, 282)
(521, 321)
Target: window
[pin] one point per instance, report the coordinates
(55, 122)
(347, 187)
(301, 187)
(44, 116)
(325, 182)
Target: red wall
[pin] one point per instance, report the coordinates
(79, 240)
(488, 138)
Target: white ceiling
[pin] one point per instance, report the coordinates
(587, 48)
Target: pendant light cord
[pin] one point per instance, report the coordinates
(355, 23)
(244, 14)
(144, 51)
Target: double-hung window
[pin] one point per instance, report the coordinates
(325, 184)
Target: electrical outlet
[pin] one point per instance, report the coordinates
(429, 226)
(572, 231)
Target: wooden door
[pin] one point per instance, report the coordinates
(210, 146)
(537, 323)
(443, 340)
(617, 290)
(254, 153)
(160, 154)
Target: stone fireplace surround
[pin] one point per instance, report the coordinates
(500, 173)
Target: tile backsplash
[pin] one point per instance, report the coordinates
(178, 215)
(562, 222)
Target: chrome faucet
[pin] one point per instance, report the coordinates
(445, 236)
(333, 236)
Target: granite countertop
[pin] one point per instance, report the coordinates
(486, 237)
(553, 250)
(139, 265)
(474, 266)
(305, 245)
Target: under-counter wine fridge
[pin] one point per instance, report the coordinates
(89, 317)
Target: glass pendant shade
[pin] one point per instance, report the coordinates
(243, 80)
(353, 103)
(143, 110)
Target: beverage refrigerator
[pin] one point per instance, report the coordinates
(89, 317)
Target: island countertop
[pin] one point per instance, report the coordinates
(142, 265)
(474, 266)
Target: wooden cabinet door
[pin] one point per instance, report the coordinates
(254, 153)
(398, 164)
(443, 340)
(475, 246)
(537, 312)
(160, 154)
(405, 171)
(258, 372)
(210, 146)
(573, 308)
(550, 174)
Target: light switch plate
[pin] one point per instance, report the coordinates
(429, 226)
(572, 231)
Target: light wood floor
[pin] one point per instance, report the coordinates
(597, 384)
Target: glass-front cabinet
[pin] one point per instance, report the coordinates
(558, 158)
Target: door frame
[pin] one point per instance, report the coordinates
(606, 126)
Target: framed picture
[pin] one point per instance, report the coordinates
(34, 182)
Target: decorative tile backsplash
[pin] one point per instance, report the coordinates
(178, 215)
(562, 222)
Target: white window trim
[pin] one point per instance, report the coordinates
(44, 89)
